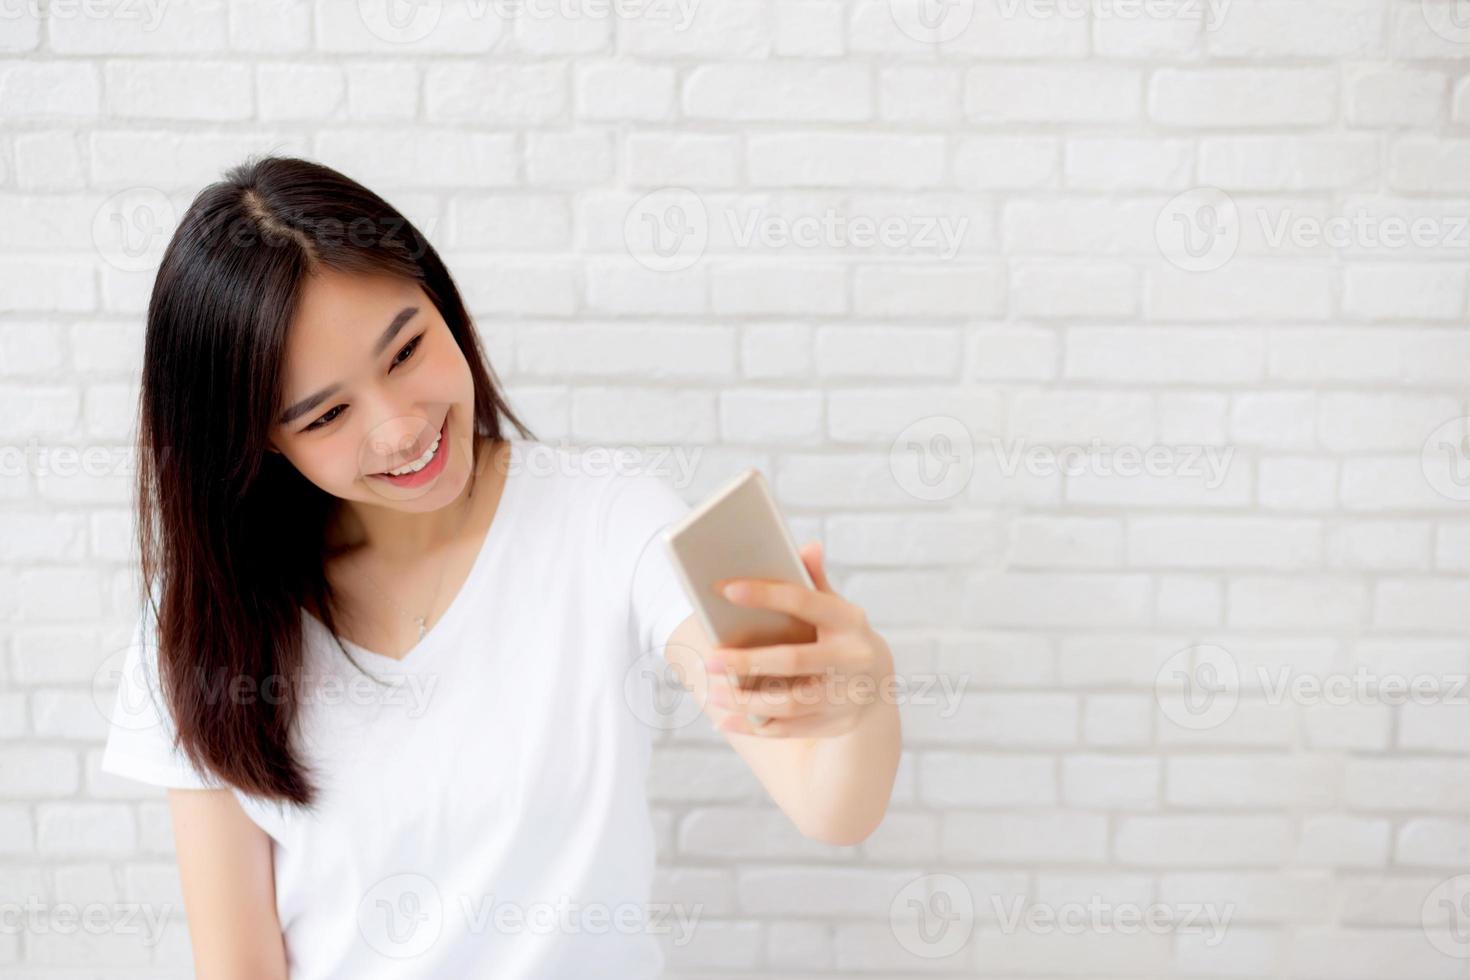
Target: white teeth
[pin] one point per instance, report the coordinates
(421, 462)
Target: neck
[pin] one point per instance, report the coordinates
(406, 537)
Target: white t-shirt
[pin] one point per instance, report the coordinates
(484, 813)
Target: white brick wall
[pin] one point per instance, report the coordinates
(1192, 379)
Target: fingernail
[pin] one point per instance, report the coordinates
(734, 590)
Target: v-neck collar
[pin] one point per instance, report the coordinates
(488, 545)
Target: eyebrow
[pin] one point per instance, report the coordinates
(312, 401)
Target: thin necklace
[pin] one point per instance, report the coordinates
(422, 621)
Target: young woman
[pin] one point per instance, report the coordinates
(388, 656)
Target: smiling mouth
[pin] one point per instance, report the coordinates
(424, 459)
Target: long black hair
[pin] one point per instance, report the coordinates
(232, 536)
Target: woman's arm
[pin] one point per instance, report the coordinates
(229, 887)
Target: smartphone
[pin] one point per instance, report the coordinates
(738, 533)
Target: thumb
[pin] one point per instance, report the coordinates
(812, 556)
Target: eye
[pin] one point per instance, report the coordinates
(407, 351)
(325, 419)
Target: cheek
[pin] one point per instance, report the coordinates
(447, 370)
(332, 464)
(440, 375)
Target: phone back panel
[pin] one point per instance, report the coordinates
(739, 533)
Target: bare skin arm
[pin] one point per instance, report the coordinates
(228, 880)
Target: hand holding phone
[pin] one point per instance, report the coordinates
(780, 674)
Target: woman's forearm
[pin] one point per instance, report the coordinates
(849, 777)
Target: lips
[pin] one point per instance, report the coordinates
(414, 456)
